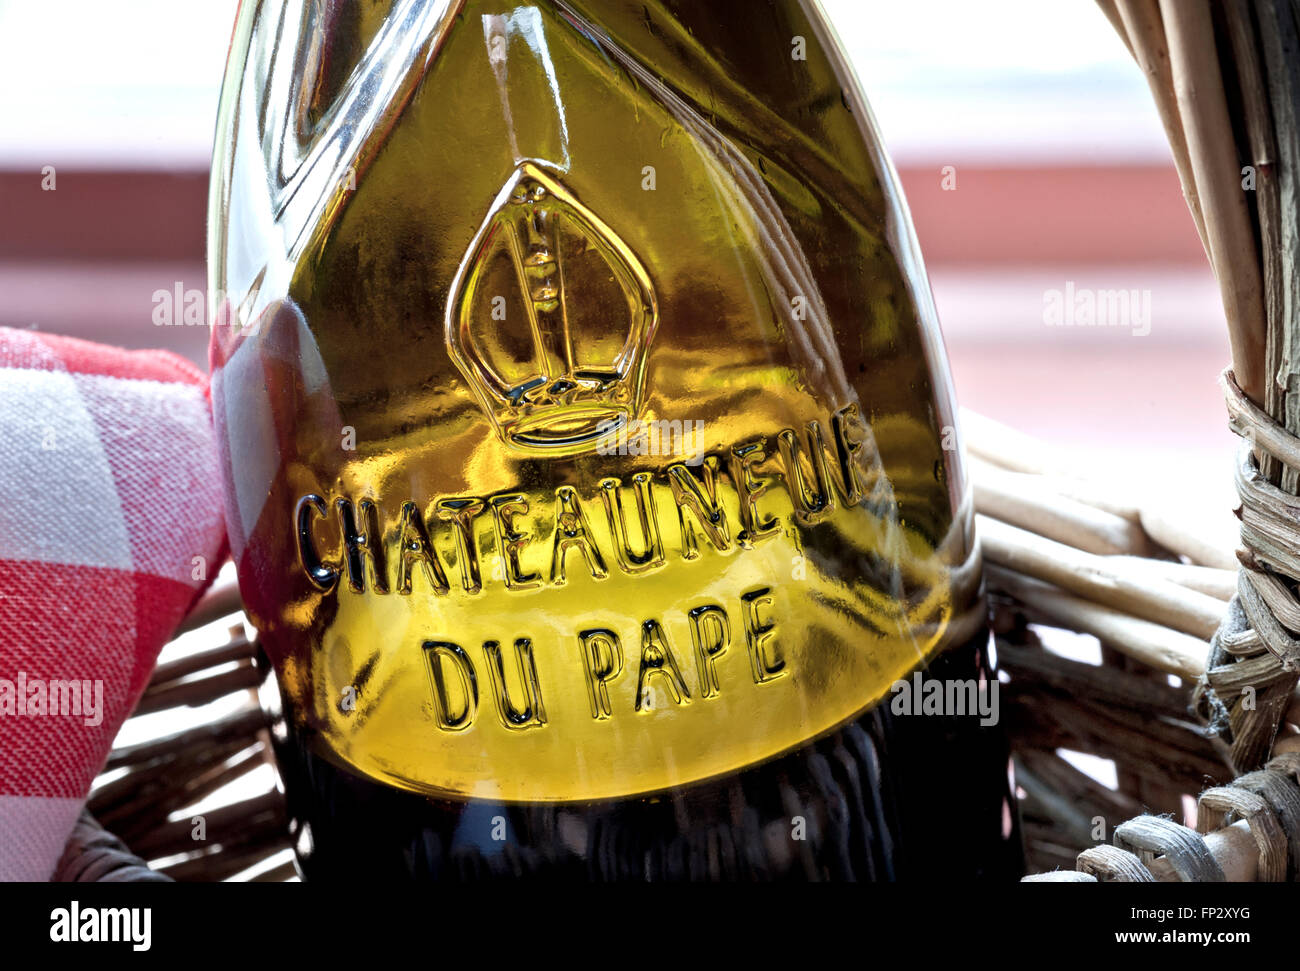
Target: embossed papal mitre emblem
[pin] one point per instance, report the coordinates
(550, 319)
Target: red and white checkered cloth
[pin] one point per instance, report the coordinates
(108, 492)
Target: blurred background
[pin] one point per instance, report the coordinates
(1026, 140)
(1063, 183)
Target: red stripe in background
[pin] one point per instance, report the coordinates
(1052, 214)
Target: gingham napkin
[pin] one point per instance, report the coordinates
(110, 527)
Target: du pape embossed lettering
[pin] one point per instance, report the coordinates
(457, 677)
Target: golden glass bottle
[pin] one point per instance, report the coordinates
(588, 444)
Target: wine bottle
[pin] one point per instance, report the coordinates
(589, 450)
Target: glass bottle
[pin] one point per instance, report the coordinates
(589, 449)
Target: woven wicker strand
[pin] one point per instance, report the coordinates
(1216, 806)
(94, 855)
(1276, 788)
(1110, 864)
(1265, 803)
(1148, 837)
(1254, 661)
